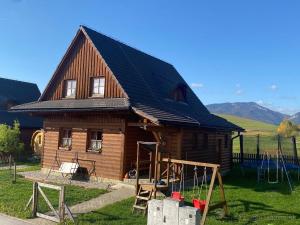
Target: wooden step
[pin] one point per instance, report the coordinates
(143, 198)
(140, 207)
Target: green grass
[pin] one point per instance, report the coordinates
(13, 197)
(249, 203)
(251, 126)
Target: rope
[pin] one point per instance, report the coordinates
(196, 181)
(182, 179)
(173, 175)
(204, 178)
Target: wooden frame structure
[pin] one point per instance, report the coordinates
(215, 175)
(153, 187)
(59, 216)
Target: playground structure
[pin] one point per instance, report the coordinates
(166, 168)
(273, 155)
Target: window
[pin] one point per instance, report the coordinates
(97, 84)
(66, 138)
(179, 94)
(205, 141)
(95, 142)
(70, 88)
(226, 137)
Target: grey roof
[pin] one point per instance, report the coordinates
(14, 92)
(148, 82)
(74, 105)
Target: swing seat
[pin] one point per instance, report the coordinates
(199, 204)
(177, 196)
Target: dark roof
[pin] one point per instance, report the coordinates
(75, 105)
(25, 121)
(18, 91)
(13, 92)
(149, 82)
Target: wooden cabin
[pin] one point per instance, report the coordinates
(105, 96)
(14, 92)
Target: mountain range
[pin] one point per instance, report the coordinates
(252, 110)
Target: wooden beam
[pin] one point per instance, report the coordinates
(141, 124)
(222, 193)
(210, 190)
(192, 163)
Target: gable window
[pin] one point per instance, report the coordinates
(179, 94)
(97, 84)
(66, 138)
(70, 88)
(95, 141)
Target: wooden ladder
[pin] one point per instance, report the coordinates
(141, 199)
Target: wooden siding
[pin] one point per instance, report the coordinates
(109, 163)
(132, 136)
(195, 149)
(82, 63)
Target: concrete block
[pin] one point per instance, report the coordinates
(155, 212)
(171, 211)
(189, 216)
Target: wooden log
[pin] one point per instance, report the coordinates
(192, 163)
(15, 173)
(34, 199)
(210, 190)
(296, 160)
(242, 149)
(62, 204)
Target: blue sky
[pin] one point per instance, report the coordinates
(227, 51)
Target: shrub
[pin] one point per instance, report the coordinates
(10, 142)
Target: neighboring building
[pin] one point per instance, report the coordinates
(105, 96)
(13, 92)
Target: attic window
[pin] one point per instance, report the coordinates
(97, 86)
(70, 88)
(179, 94)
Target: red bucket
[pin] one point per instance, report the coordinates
(199, 204)
(177, 196)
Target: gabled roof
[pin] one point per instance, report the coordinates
(13, 92)
(148, 82)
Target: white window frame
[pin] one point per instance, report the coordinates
(70, 88)
(66, 138)
(92, 141)
(98, 86)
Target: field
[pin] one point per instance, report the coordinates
(249, 203)
(268, 136)
(252, 127)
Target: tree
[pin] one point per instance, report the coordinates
(287, 129)
(10, 142)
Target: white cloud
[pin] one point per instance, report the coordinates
(197, 85)
(239, 91)
(274, 87)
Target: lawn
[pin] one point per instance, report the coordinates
(249, 203)
(13, 197)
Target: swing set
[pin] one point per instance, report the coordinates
(203, 204)
(175, 169)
